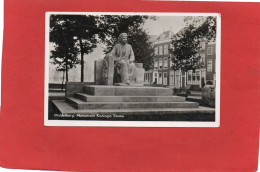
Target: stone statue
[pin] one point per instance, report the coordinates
(123, 56)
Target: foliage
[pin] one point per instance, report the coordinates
(186, 43)
(205, 27)
(76, 32)
(79, 34)
(137, 37)
(139, 40)
(65, 52)
(63, 57)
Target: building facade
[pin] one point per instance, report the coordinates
(162, 61)
(163, 74)
(207, 73)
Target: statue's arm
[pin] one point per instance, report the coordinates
(132, 56)
(113, 54)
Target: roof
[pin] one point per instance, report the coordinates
(153, 38)
(181, 32)
(165, 35)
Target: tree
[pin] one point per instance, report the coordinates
(184, 51)
(81, 30)
(65, 52)
(65, 58)
(80, 34)
(186, 43)
(205, 26)
(139, 40)
(137, 37)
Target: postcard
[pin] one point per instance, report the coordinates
(132, 69)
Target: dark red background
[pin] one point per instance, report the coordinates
(26, 143)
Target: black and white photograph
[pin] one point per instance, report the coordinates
(132, 69)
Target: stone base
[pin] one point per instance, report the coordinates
(105, 75)
(64, 111)
(75, 87)
(121, 84)
(129, 103)
(130, 84)
(129, 90)
(91, 98)
(79, 104)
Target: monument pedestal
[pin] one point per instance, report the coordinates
(104, 72)
(130, 103)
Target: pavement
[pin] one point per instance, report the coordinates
(195, 95)
(57, 94)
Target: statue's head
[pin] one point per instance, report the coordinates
(122, 38)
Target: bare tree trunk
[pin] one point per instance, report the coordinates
(67, 74)
(82, 59)
(62, 84)
(185, 78)
(174, 77)
(67, 71)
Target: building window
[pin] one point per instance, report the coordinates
(155, 63)
(177, 80)
(155, 80)
(203, 74)
(210, 51)
(198, 75)
(165, 62)
(165, 75)
(202, 45)
(160, 75)
(202, 59)
(161, 50)
(193, 77)
(189, 75)
(165, 49)
(209, 65)
(160, 63)
(165, 78)
(172, 79)
(156, 50)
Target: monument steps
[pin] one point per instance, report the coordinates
(64, 108)
(129, 103)
(91, 98)
(144, 114)
(79, 104)
(127, 97)
(101, 90)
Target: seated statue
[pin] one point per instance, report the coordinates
(118, 67)
(123, 56)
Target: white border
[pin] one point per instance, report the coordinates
(133, 123)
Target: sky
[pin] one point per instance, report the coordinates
(164, 23)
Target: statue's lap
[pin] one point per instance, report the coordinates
(104, 72)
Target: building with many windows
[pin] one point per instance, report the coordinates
(160, 72)
(207, 74)
(163, 74)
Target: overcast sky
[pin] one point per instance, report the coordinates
(164, 23)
